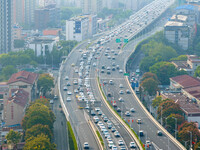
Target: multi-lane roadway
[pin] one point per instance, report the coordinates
(106, 59)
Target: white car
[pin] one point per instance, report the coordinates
(69, 99)
(132, 145)
(69, 93)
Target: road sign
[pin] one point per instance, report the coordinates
(118, 40)
(125, 40)
(126, 74)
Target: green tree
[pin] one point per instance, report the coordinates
(45, 83)
(157, 101)
(38, 113)
(197, 72)
(13, 137)
(8, 71)
(150, 85)
(147, 75)
(180, 58)
(164, 71)
(41, 142)
(37, 130)
(146, 63)
(168, 107)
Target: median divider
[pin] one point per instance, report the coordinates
(94, 130)
(126, 126)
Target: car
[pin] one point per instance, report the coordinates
(102, 67)
(116, 133)
(64, 88)
(96, 119)
(120, 71)
(159, 133)
(75, 90)
(102, 71)
(120, 143)
(113, 129)
(92, 113)
(105, 82)
(114, 147)
(68, 84)
(132, 110)
(69, 99)
(109, 57)
(66, 78)
(121, 99)
(75, 82)
(97, 109)
(105, 119)
(141, 133)
(118, 109)
(108, 72)
(128, 91)
(69, 93)
(55, 97)
(132, 145)
(148, 142)
(121, 86)
(99, 113)
(139, 121)
(127, 113)
(114, 104)
(51, 101)
(111, 82)
(117, 67)
(113, 68)
(113, 58)
(110, 144)
(109, 125)
(121, 92)
(86, 145)
(122, 148)
(109, 94)
(72, 64)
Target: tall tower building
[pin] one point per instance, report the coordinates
(30, 6)
(18, 11)
(91, 6)
(6, 40)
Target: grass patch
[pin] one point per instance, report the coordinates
(100, 138)
(119, 115)
(72, 138)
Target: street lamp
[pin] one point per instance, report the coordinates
(190, 139)
(175, 126)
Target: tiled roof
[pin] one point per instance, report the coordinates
(24, 76)
(186, 81)
(19, 96)
(194, 91)
(185, 103)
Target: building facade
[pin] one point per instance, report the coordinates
(6, 14)
(91, 6)
(19, 11)
(77, 28)
(30, 6)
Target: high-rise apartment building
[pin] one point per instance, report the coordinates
(91, 6)
(18, 11)
(110, 4)
(6, 42)
(30, 6)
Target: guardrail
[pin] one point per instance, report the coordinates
(117, 117)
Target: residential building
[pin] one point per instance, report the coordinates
(189, 66)
(188, 105)
(178, 33)
(15, 107)
(30, 6)
(19, 12)
(17, 32)
(77, 28)
(48, 16)
(4, 89)
(92, 25)
(42, 46)
(91, 6)
(110, 4)
(26, 81)
(6, 14)
(52, 31)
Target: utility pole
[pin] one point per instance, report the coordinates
(175, 126)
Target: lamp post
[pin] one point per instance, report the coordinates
(175, 126)
(190, 139)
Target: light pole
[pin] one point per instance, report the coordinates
(175, 126)
(161, 116)
(190, 139)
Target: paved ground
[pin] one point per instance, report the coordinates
(60, 127)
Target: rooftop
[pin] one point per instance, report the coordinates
(24, 76)
(194, 91)
(181, 64)
(186, 104)
(186, 81)
(19, 96)
(188, 7)
(174, 23)
(179, 18)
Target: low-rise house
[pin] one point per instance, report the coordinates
(14, 107)
(26, 81)
(189, 106)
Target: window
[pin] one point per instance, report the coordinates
(23, 86)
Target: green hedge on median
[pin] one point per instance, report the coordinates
(72, 138)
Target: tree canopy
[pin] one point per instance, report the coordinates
(45, 83)
(150, 85)
(13, 137)
(41, 142)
